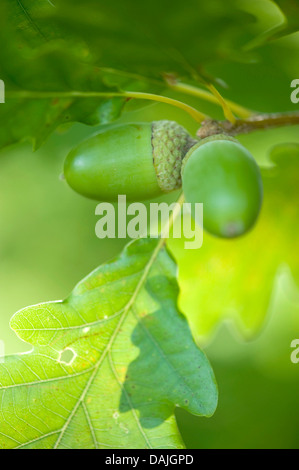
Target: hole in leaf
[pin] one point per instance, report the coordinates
(67, 356)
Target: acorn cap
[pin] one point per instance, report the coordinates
(170, 143)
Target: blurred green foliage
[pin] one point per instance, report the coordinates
(114, 46)
(258, 406)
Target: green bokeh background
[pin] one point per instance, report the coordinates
(48, 243)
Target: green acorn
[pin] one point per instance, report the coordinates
(140, 160)
(220, 173)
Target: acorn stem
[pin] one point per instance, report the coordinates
(194, 113)
(241, 111)
(245, 126)
(225, 106)
(28, 94)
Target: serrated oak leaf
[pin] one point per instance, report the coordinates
(109, 364)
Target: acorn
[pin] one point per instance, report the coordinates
(139, 160)
(223, 175)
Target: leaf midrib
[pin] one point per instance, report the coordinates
(30, 20)
(111, 341)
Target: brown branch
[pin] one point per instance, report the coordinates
(245, 126)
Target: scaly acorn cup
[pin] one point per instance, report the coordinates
(220, 173)
(140, 160)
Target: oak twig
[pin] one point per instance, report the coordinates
(245, 126)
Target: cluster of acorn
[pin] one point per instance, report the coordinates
(145, 160)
